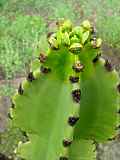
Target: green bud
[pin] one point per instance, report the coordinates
(11, 112)
(74, 39)
(78, 31)
(85, 37)
(60, 22)
(99, 42)
(53, 42)
(86, 24)
(96, 43)
(66, 26)
(75, 48)
(65, 39)
(59, 37)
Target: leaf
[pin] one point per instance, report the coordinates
(78, 31)
(86, 24)
(74, 39)
(85, 36)
(98, 106)
(59, 37)
(66, 40)
(82, 150)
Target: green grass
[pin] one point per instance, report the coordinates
(19, 40)
(23, 22)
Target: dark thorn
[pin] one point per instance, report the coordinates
(93, 31)
(111, 139)
(94, 142)
(118, 88)
(49, 34)
(12, 105)
(76, 94)
(67, 143)
(26, 136)
(78, 67)
(63, 158)
(96, 58)
(30, 77)
(9, 116)
(94, 41)
(94, 45)
(93, 38)
(108, 66)
(53, 47)
(57, 23)
(118, 111)
(20, 90)
(96, 147)
(118, 127)
(72, 120)
(42, 58)
(24, 133)
(74, 79)
(45, 69)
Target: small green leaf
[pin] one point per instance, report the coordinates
(74, 39)
(66, 26)
(59, 37)
(99, 42)
(65, 39)
(85, 36)
(86, 24)
(78, 31)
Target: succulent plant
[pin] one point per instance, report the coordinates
(71, 101)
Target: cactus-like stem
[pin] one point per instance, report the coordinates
(100, 107)
(70, 101)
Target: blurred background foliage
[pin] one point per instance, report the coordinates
(25, 23)
(9, 141)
